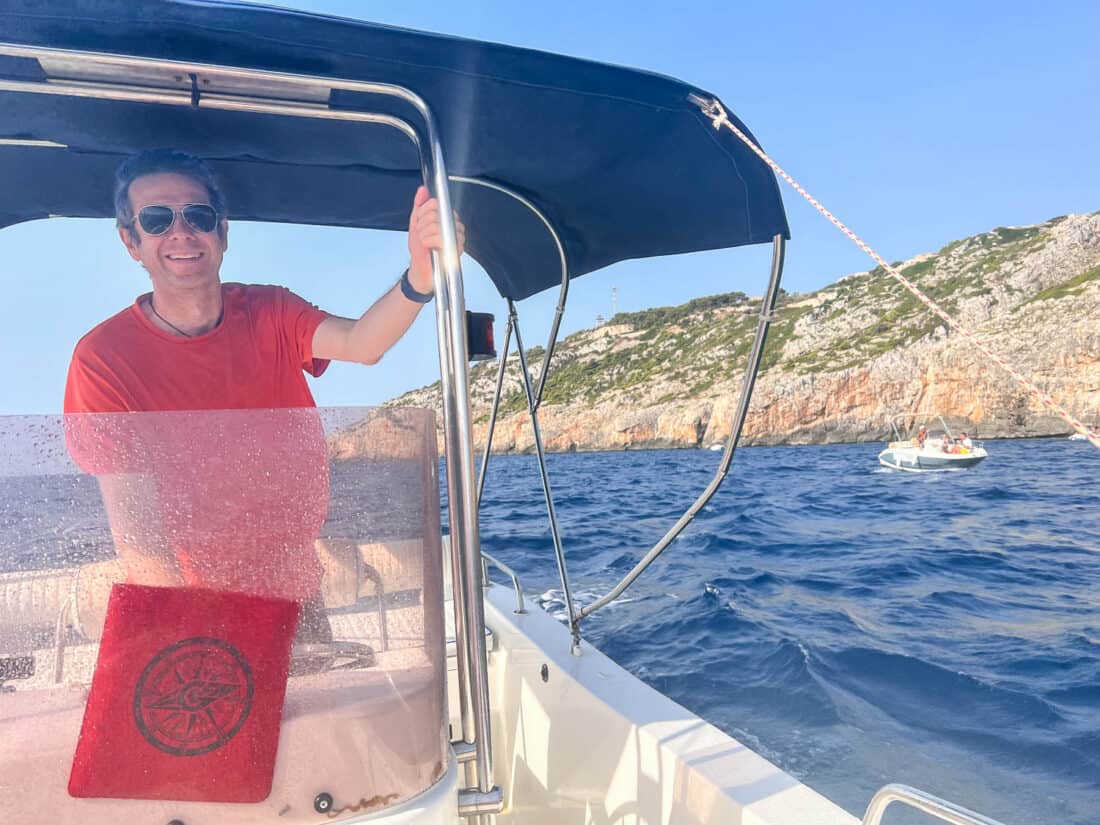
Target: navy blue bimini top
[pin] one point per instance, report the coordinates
(621, 161)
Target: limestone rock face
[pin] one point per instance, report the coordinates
(840, 364)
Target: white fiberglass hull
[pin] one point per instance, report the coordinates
(915, 460)
(588, 742)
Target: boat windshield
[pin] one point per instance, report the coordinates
(219, 617)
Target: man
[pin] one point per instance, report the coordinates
(212, 499)
(255, 341)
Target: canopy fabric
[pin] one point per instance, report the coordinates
(620, 161)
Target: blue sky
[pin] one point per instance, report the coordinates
(915, 123)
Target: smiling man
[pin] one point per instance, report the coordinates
(211, 496)
(194, 343)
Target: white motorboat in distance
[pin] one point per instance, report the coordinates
(906, 455)
(932, 452)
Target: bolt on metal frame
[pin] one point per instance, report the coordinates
(280, 99)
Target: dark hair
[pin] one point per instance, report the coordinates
(152, 161)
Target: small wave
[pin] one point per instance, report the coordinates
(925, 695)
(1084, 696)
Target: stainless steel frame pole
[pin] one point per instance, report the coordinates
(493, 412)
(461, 486)
(555, 535)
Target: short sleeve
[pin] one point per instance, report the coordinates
(94, 411)
(300, 320)
(88, 387)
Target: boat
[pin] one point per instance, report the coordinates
(440, 696)
(931, 450)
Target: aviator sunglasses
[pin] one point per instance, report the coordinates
(156, 220)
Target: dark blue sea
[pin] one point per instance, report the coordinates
(854, 625)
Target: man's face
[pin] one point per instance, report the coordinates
(182, 258)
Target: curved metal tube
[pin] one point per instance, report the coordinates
(520, 608)
(916, 798)
(767, 307)
(534, 398)
(100, 91)
(563, 291)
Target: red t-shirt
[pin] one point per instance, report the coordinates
(227, 435)
(253, 359)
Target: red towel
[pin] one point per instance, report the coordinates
(187, 696)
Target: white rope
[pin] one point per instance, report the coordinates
(714, 110)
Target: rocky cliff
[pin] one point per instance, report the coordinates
(840, 363)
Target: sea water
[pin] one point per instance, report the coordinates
(855, 625)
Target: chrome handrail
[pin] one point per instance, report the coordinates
(371, 572)
(563, 290)
(520, 608)
(922, 801)
(315, 657)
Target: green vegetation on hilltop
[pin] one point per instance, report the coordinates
(697, 342)
(705, 342)
(664, 316)
(668, 353)
(1004, 244)
(903, 320)
(693, 347)
(1074, 286)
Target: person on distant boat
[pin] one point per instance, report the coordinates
(965, 442)
(922, 436)
(945, 444)
(194, 343)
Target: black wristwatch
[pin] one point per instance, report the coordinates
(409, 291)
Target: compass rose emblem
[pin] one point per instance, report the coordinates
(193, 696)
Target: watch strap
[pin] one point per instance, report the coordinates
(410, 292)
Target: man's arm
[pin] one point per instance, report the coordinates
(134, 515)
(367, 339)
